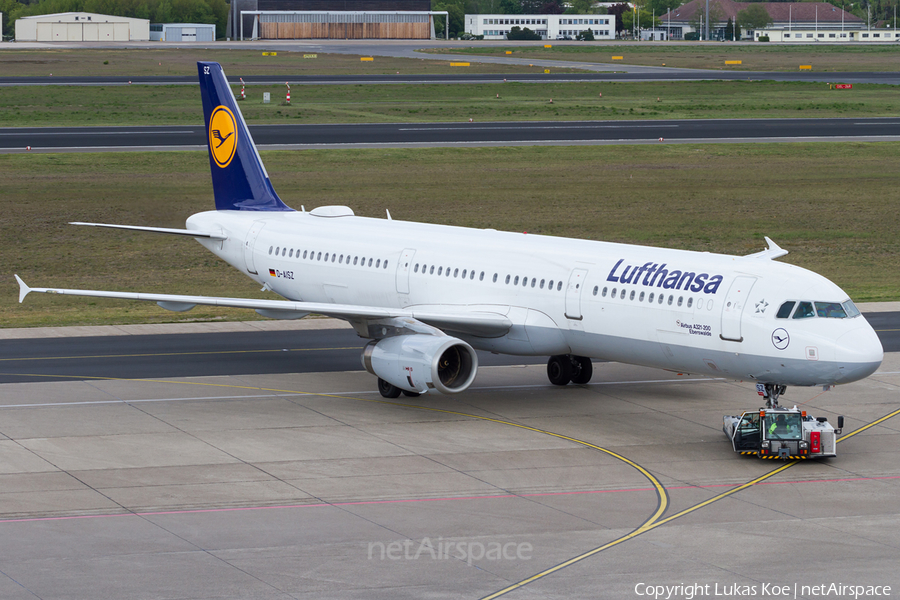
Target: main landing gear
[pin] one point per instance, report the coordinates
(771, 392)
(563, 368)
(389, 390)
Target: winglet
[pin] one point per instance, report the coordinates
(772, 251)
(23, 289)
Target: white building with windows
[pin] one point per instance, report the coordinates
(549, 27)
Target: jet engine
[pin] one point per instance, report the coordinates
(419, 362)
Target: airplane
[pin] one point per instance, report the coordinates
(426, 295)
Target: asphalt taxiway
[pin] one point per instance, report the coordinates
(309, 485)
(380, 135)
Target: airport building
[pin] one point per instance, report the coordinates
(81, 27)
(791, 22)
(182, 32)
(332, 19)
(549, 27)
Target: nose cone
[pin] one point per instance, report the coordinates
(858, 353)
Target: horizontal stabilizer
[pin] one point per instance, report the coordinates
(772, 251)
(166, 230)
(477, 323)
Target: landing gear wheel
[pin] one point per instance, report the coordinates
(584, 370)
(772, 393)
(559, 369)
(388, 390)
(411, 394)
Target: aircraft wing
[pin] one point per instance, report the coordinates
(478, 323)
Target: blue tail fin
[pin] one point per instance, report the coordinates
(240, 181)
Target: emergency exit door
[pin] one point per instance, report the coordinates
(733, 308)
(249, 242)
(573, 294)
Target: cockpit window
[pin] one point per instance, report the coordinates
(850, 309)
(830, 310)
(804, 311)
(785, 311)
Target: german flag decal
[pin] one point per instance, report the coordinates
(272, 272)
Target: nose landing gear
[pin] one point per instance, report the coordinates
(771, 392)
(563, 368)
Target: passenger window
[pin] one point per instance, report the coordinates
(604, 292)
(480, 277)
(641, 297)
(464, 274)
(550, 285)
(543, 281)
(558, 285)
(291, 253)
(448, 271)
(690, 301)
(804, 311)
(524, 282)
(495, 278)
(326, 257)
(341, 259)
(440, 270)
(614, 293)
(455, 272)
(319, 257)
(622, 294)
(680, 300)
(277, 250)
(650, 298)
(370, 262)
(270, 249)
(472, 275)
(596, 289)
(632, 295)
(333, 257)
(785, 310)
(670, 299)
(431, 271)
(416, 268)
(516, 280)
(378, 263)
(533, 282)
(661, 298)
(304, 254)
(384, 265)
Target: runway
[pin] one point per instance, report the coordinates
(307, 485)
(611, 73)
(58, 139)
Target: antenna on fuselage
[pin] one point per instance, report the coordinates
(388, 214)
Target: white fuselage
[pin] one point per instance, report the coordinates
(685, 311)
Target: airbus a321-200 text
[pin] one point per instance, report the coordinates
(427, 295)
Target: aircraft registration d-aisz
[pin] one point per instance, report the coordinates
(427, 295)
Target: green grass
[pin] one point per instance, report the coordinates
(754, 57)
(834, 206)
(70, 62)
(180, 105)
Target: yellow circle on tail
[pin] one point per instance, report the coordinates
(222, 136)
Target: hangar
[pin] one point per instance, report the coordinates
(332, 19)
(81, 27)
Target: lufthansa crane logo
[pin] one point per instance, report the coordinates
(222, 136)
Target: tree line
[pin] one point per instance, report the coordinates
(157, 11)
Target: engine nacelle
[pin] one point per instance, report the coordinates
(419, 363)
